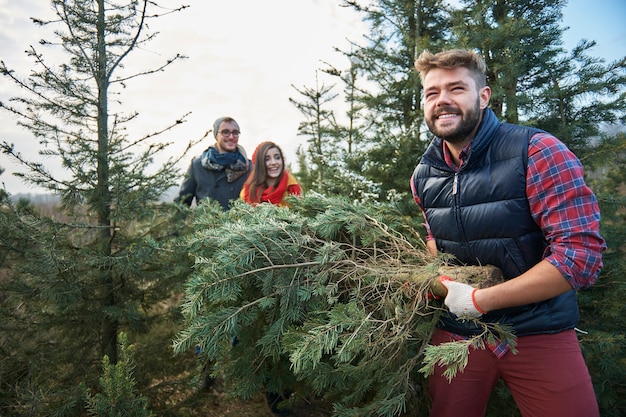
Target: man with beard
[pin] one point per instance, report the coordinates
(514, 197)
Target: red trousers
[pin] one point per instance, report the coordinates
(547, 377)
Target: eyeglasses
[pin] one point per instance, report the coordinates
(227, 132)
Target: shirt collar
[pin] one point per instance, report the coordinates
(462, 156)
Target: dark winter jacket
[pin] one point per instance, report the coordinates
(481, 215)
(217, 183)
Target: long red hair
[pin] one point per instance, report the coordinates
(256, 181)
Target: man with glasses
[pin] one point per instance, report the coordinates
(220, 172)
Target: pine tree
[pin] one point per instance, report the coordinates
(383, 95)
(119, 396)
(319, 122)
(577, 97)
(515, 38)
(603, 310)
(77, 280)
(330, 163)
(533, 80)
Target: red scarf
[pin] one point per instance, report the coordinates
(272, 194)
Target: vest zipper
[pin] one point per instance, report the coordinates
(454, 183)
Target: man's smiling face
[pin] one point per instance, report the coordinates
(453, 104)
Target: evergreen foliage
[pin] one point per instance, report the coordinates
(517, 40)
(119, 396)
(319, 123)
(603, 311)
(51, 309)
(572, 94)
(533, 80)
(575, 97)
(326, 296)
(383, 127)
(318, 296)
(93, 269)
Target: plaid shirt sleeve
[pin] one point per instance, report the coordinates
(565, 209)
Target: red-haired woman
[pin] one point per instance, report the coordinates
(269, 181)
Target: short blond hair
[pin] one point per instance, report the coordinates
(452, 59)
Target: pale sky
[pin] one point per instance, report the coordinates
(244, 57)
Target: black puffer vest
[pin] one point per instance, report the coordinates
(481, 215)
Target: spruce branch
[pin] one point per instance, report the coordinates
(335, 295)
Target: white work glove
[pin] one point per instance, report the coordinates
(460, 299)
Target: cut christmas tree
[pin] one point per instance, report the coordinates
(328, 297)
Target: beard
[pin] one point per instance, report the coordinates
(469, 120)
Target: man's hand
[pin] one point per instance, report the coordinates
(460, 299)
